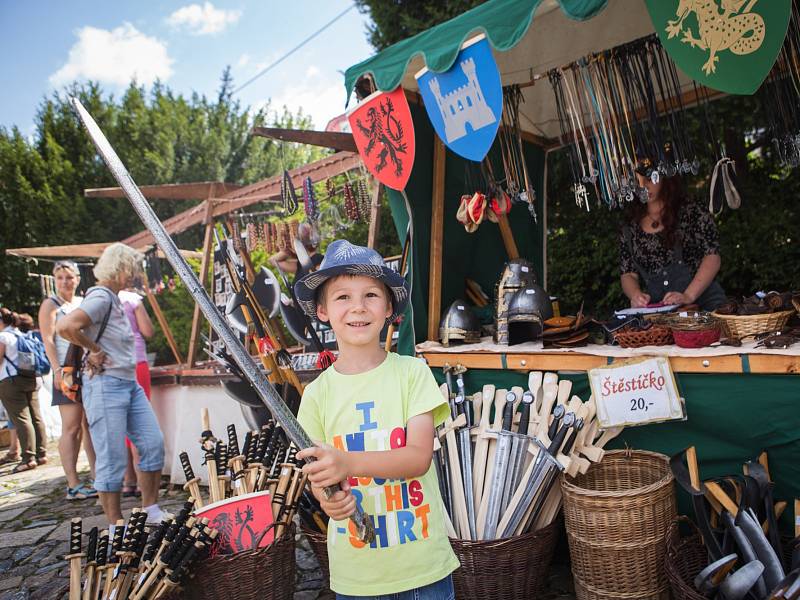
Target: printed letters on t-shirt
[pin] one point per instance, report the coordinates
(397, 506)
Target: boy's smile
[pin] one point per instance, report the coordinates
(356, 307)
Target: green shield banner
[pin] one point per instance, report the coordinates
(727, 45)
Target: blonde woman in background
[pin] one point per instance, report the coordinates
(115, 403)
(74, 427)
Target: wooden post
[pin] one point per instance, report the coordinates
(162, 322)
(375, 216)
(508, 237)
(207, 244)
(437, 234)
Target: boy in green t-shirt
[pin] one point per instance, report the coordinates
(374, 415)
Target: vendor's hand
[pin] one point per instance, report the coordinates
(640, 300)
(676, 298)
(339, 506)
(329, 468)
(57, 379)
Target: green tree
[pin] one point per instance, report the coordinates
(395, 20)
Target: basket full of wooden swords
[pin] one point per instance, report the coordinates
(499, 457)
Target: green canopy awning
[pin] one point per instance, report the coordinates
(505, 23)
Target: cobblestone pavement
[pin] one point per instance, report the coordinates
(34, 527)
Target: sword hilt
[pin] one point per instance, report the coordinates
(508, 411)
(221, 456)
(155, 541)
(251, 446)
(187, 466)
(233, 441)
(263, 441)
(91, 545)
(116, 541)
(101, 556)
(75, 526)
(525, 417)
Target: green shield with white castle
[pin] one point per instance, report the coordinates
(727, 45)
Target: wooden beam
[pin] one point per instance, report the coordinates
(375, 215)
(80, 251)
(169, 191)
(574, 361)
(208, 240)
(508, 237)
(327, 139)
(437, 235)
(162, 322)
(262, 191)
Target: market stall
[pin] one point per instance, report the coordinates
(739, 400)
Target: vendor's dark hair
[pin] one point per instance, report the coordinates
(23, 322)
(673, 195)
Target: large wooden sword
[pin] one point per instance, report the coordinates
(363, 525)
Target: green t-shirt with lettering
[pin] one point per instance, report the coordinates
(369, 411)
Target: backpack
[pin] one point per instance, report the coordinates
(31, 357)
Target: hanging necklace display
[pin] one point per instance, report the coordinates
(250, 240)
(780, 96)
(350, 204)
(518, 185)
(288, 195)
(310, 201)
(573, 149)
(236, 234)
(363, 199)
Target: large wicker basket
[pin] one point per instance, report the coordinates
(511, 568)
(742, 326)
(263, 574)
(617, 517)
(685, 558)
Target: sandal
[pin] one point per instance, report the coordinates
(9, 458)
(41, 460)
(130, 490)
(24, 466)
(81, 492)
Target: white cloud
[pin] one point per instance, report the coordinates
(320, 96)
(203, 20)
(243, 60)
(115, 57)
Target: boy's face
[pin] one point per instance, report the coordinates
(356, 308)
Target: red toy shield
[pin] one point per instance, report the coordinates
(243, 523)
(384, 133)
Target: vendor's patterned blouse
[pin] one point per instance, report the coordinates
(696, 229)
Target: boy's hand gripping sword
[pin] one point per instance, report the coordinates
(363, 525)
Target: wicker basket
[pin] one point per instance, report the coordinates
(319, 545)
(512, 568)
(617, 517)
(685, 558)
(263, 574)
(742, 326)
(657, 335)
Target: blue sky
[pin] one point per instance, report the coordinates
(186, 44)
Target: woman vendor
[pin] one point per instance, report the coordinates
(669, 248)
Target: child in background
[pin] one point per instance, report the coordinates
(374, 415)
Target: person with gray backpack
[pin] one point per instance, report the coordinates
(20, 364)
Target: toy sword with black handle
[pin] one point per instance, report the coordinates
(363, 525)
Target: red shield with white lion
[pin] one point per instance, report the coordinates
(384, 133)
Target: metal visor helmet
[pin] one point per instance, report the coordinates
(518, 273)
(459, 322)
(528, 309)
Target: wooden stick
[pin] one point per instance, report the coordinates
(481, 444)
(508, 237)
(694, 471)
(480, 520)
(714, 490)
(457, 483)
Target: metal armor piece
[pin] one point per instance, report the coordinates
(517, 274)
(528, 309)
(460, 323)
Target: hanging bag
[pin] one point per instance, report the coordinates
(71, 380)
(31, 357)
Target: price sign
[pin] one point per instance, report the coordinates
(636, 393)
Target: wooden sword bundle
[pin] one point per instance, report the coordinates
(265, 461)
(500, 452)
(144, 564)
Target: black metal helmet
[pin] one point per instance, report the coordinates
(459, 322)
(518, 273)
(528, 309)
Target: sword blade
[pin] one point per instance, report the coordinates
(465, 441)
(265, 390)
(502, 456)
